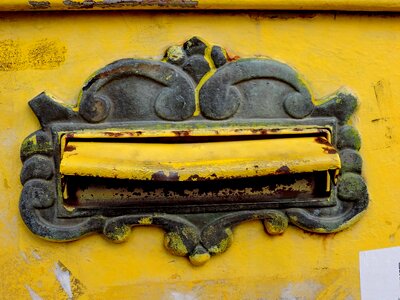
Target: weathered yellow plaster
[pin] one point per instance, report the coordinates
(344, 5)
(361, 52)
(39, 54)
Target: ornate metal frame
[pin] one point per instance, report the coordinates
(194, 86)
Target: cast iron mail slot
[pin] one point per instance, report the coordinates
(194, 144)
(168, 174)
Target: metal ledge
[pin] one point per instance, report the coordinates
(90, 5)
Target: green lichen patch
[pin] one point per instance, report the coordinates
(118, 233)
(277, 224)
(199, 256)
(351, 187)
(36, 143)
(223, 245)
(351, 161)
(174, 244)
(348, 137)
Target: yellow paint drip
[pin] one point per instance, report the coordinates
(207, 56)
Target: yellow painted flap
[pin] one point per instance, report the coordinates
(198, 161)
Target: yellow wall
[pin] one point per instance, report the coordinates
(345, 5)
(56, 52)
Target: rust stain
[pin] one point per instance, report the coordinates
(40, 55)
(69, 148)
(213, 176)
(283, 170)
(113, 134)
(87, 4)
(182, 133)
(329, 150)
(119, 134)
(232, 57)
(161, 176)
(258, 16)
(259, 131)
(321, 140)
(379, 120)
(195, 177)
(39, 4)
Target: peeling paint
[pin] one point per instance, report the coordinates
(124, 3)
(63, 276)
(32, 293)
(302, 290)
(72, 287)
(36, 255)
(40, 4)
(182, 296)
(24, 257)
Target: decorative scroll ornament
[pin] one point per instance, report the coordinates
(194, 95)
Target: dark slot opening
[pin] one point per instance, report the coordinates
(306, 189)
(181, 138)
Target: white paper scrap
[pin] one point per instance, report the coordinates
(380, 274)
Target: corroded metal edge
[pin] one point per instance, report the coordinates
(186, 234)
(298, 5)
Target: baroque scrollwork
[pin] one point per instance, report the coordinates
(195, 85)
